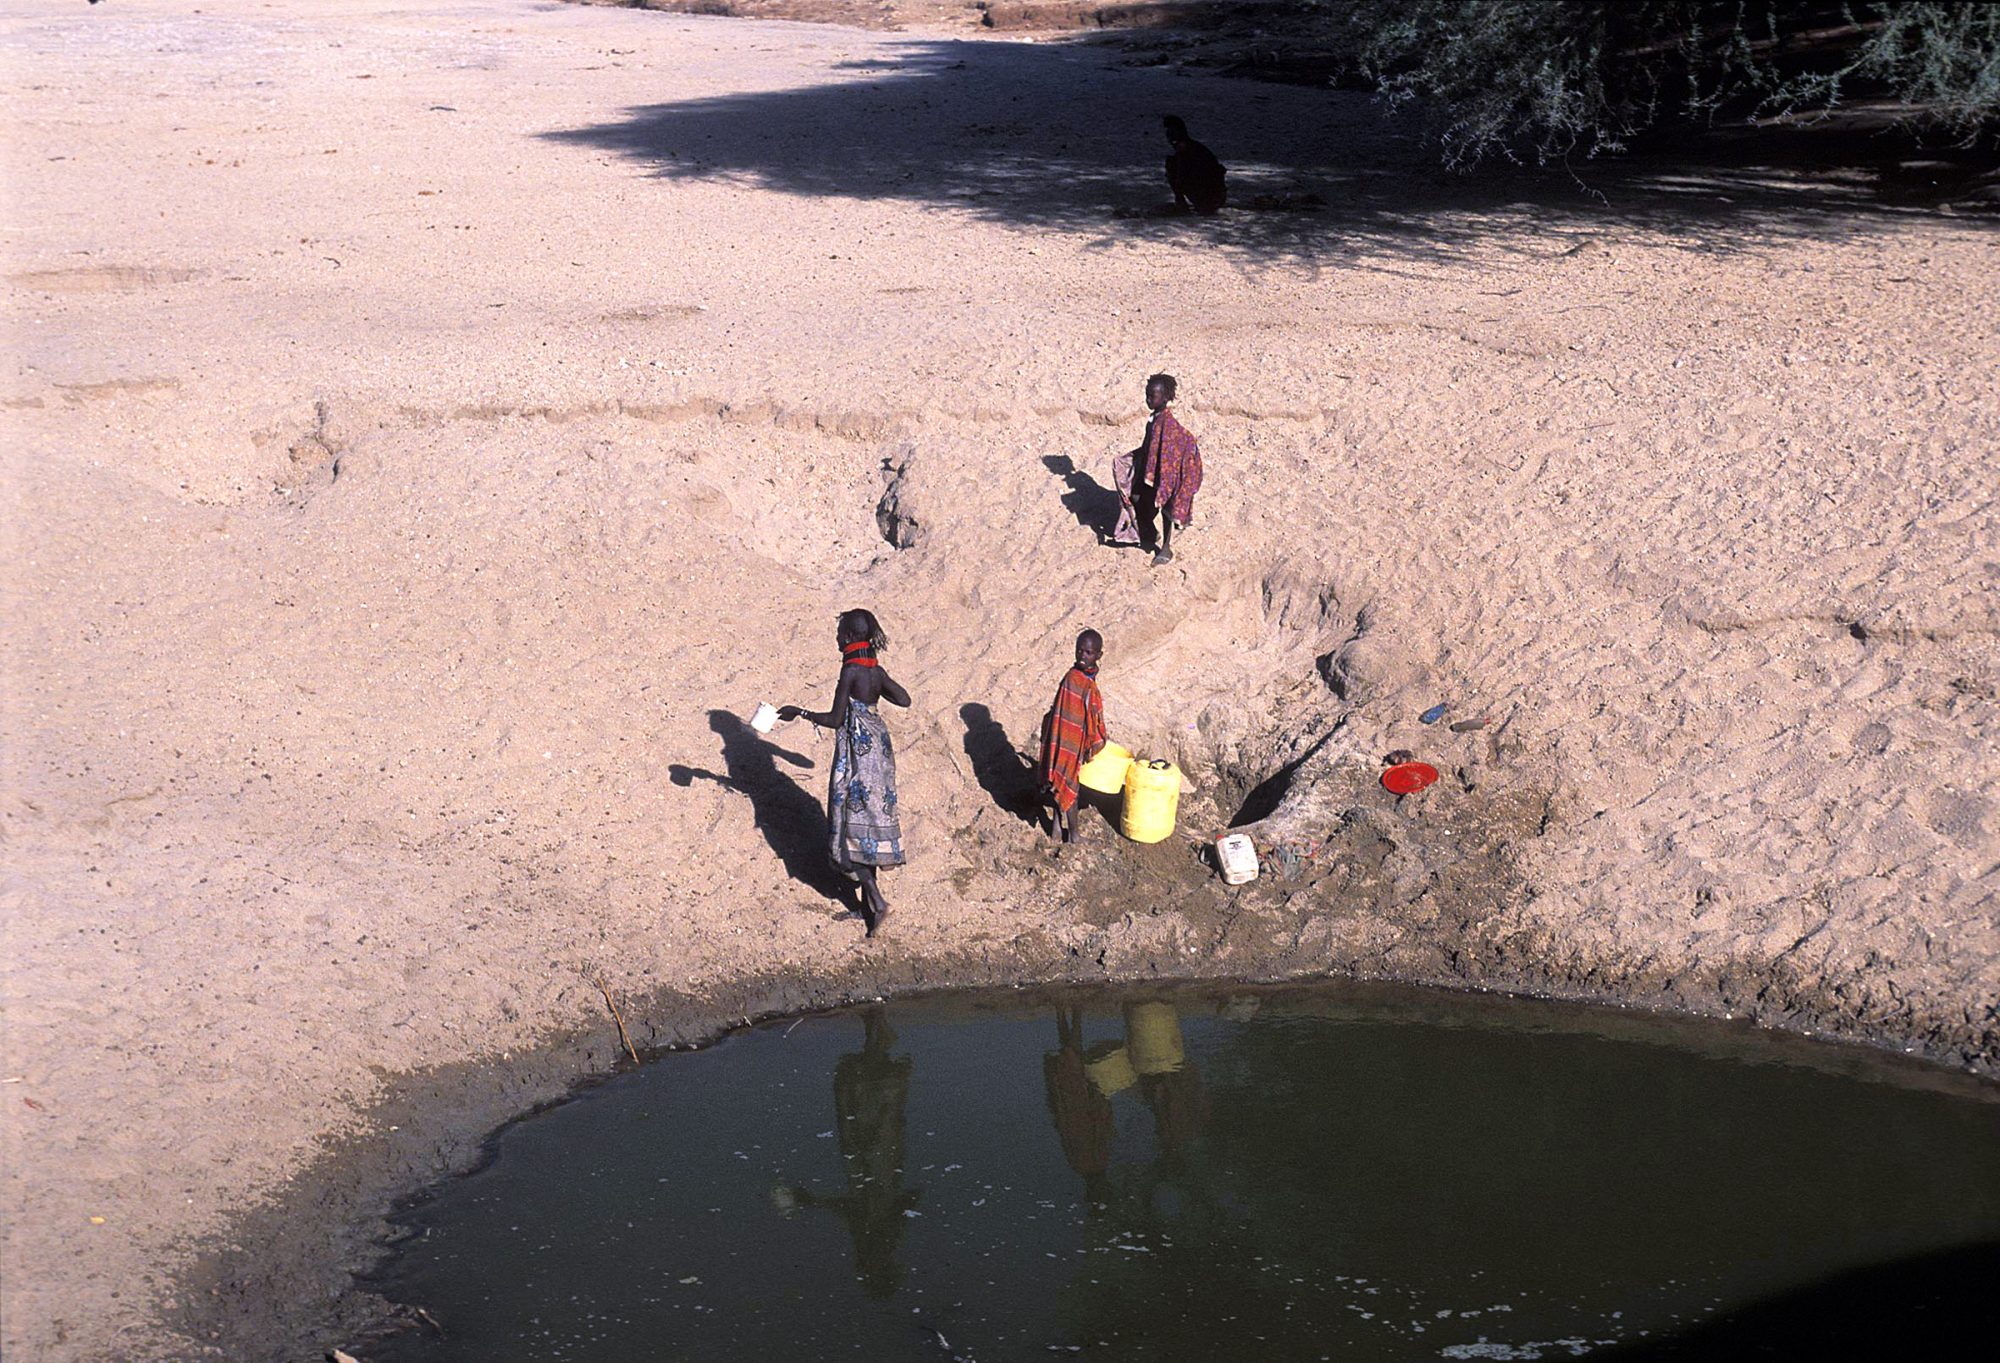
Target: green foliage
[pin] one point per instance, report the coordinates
(1940, 58)
(1581, 77)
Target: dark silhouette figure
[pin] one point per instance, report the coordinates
(1005, 775)
(791, 820)
(1094, 505)
(1193, 173)
(871, 1090)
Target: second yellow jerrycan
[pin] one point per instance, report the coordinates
(1152, 800)
(1105, 773)
(1153, 1036)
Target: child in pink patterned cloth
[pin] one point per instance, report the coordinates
(1159, 478)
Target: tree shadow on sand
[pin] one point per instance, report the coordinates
(1006, 777)
(1057, 137)
(792, 822)
(1094, 505)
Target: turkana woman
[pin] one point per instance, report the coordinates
(863, 831)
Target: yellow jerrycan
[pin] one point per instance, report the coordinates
(1152, 799)
(1108, 1066)
(1153, 1036)
(1105, 773)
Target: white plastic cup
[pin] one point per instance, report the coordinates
(766, 718)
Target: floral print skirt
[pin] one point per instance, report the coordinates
(861, 794)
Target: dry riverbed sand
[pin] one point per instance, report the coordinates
(430, 427)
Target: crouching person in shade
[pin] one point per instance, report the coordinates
(1193, 172)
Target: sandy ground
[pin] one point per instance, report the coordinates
(429, 427)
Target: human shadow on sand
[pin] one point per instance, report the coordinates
(791, 821)
(1005, 776)
(1058, 136)
(1094, 505)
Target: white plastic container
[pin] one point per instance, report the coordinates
(1237, 856)
(766, 718)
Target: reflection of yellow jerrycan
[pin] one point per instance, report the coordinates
(1152, 799)
(1109, 1068)
(1105, 773)
(1153, 1035)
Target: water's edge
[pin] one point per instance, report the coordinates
(282, 1283)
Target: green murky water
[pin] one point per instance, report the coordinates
(1331, 1173)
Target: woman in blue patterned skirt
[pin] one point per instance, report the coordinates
(861, 792)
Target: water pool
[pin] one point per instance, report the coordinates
(1326, 1173)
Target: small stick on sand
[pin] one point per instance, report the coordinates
(615, 1016)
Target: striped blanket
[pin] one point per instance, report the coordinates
(1072, 732)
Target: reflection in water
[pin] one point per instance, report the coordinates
(1080, 1110)
(871, 1090)
(1171, 1087)
(1161, 1226)
(1282, 1175)
(1080, 1084)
